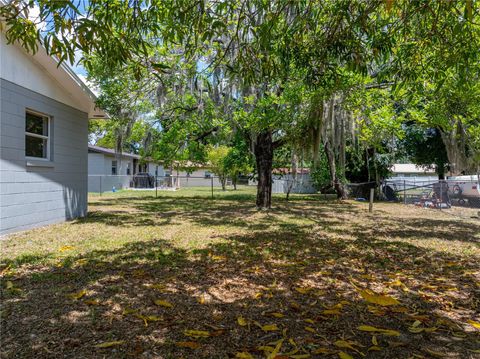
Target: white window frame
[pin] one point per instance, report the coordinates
(48, 138)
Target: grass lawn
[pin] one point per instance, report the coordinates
(183, 275)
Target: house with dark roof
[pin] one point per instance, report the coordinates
(108, 169)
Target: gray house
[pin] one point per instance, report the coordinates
(108, 169)
(44, 112)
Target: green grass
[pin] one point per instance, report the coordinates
(134, 248)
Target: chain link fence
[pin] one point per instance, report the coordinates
(458, 196)
(105, 183)
(433, 194)
(429, 193)
(100, 184)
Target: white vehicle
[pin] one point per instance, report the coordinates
(464, 188)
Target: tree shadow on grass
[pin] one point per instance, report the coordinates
(225, 210)
(308, 273)
(149, 211)
(236, 279)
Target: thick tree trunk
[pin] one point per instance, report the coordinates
(264, 158)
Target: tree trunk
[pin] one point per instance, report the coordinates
(317, 123)
(264, 158)
(223, 180)
(454, 140)
(342, 160)
(328, 144)
(440, 169)
(337, 184)
(178, 178)
(293, 179)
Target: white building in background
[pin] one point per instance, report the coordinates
(282, 179)
(195, 175)
(404, 170)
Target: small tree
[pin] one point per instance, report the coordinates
(216, 160)
(238, 160)
(236, 163)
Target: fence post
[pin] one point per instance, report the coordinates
(370, 205)
(100, 185)
(211, 178)
(404, 192)
(156, 186)
(441, 195)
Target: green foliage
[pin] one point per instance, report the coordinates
(201, 71)
(238, 160)
(452, 109)
(216, 159)
(104, 134)
(229, 162)
(424, 146)
(320, 175)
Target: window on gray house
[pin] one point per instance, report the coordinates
(128, 168)
(114, 167)
(37, 141)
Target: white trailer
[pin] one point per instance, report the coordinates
(465, 188)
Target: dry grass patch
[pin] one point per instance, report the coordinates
(186, 276)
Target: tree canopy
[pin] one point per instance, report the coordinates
(333, 81)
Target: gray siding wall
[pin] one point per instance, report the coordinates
(100, 178)
(96, 164)
(32, 196)
(153, 166)
(99, 183)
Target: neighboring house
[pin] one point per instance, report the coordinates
(412, 173)
(44, 116)
(108, 169)
(190, 175)
(411, 170)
